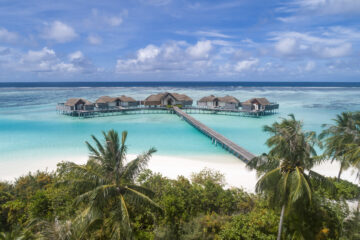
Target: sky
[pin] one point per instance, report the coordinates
(179, 40)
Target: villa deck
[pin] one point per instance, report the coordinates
(61, 109)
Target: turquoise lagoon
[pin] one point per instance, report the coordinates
(30, 128)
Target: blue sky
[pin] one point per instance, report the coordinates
(180, 40)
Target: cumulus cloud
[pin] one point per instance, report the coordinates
(286, 46)
(59, 32)
(6, 36)
(245, 65)
(45, 60)
(200, 50)
(199, 58)
(173, 56)
(148, 53)
(338, 51)
(76, 56)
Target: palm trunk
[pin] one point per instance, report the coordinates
(340, 171)
(281, 222)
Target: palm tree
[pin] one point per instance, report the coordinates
(108, 184)
(338, 138)
(285, 172)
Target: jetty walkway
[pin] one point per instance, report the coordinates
(216, 137)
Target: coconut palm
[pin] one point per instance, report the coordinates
(338, 138)
(285, 172)
(108, 184)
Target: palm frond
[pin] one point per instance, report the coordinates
(140, 198)
(133, 168)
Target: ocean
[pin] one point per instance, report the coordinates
(33, 134)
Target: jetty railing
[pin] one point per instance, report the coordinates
(216, 137)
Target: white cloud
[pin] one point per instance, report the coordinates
(286, 46)
(329, 43)
(45, 60)
(6, 36)
(303, 8)
(44, 54)
(200, 50)
(329, 6)
(147, 53)
(60, 32)
(78, 55)
(212, 34)
(173, 56)
(94, 39)
(114, 21)
(246, 65)
(338, 51)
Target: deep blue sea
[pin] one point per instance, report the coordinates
(31, 132)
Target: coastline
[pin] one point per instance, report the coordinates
(235, 171)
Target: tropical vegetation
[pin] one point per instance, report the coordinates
(111, 197)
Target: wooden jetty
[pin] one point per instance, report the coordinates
(217, 138)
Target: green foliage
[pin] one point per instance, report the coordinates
(351, 227)
(205, 227)
(40, 205)
(345, 190)
(110, 198)
(260, 224)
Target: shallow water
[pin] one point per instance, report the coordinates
(31, 129)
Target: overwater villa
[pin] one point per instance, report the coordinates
(106, 102)
(259, 105)
(78, 104)
(227, 102)
(165, 103)
(168, 99)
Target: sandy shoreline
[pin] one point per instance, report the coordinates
(235, 171)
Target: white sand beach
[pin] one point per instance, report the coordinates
(235, 171)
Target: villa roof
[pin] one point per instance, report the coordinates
(262, 101)
(158, 97)
(74, 101)
(124, 98)
(207, 99)
(181, 97)
(229, 99)
(154, 97)
(105, 99)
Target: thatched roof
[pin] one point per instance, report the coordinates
(229, 99)
(154, 97)
(124, 98)
(105, 99)
(181, 97)
(262, 101)
(207, 99)
(74, 101)
(158, 97)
